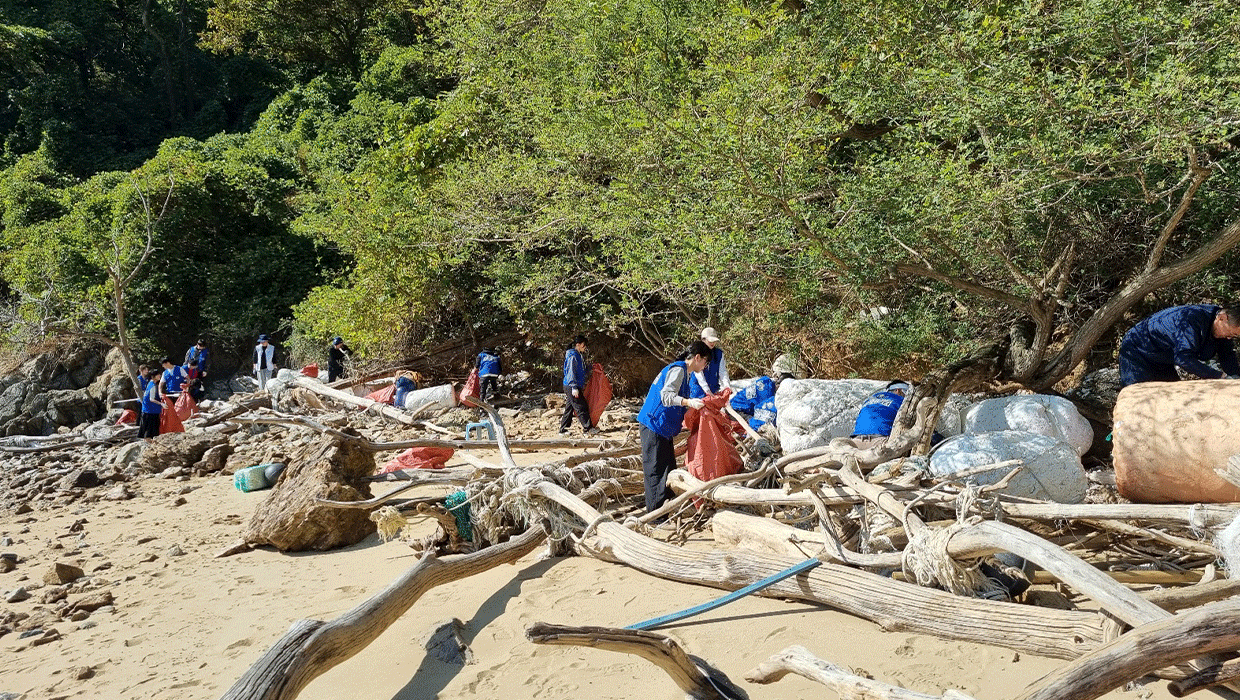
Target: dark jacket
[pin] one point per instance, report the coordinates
(1182, 336)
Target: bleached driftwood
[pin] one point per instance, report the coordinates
(311, 647)
(1226, 672)
(891, 604)
(1173, 599)
(697, 678)
(389, 412)
(797, 659)
(736, 530)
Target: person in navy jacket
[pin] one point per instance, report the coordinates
(1182, 336)
(712, 378)
(662, 417)
(489, 369)
(575, 388)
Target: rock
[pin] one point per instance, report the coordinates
(78, 616)
(1052, 469)
(214, 459)
(291, 519)
(80, 479)
(120, 492)
(6, 541)
(447, 644)
(17, 595)
(1053, 416)
(174, 551)
(128, 453)
(30, 633)
(178, 450)
(50, 635)
(23, 509)
(91, 602)
(172, 472)
(81, 673)
(7, 565)
(509, 412)
(61, 573)
(179, 501)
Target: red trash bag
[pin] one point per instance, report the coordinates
(169, 421)
(419, 458)
(598, 393)
(712, 447)
(310, 370)
(473, 388)
(385, 395)
(128, 417)
(186, 406)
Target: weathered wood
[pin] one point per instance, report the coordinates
(1210, 629)
(698, 679)
(311, 647)
(389, 412)
(1226, 672)
(736, 530)
(891, 604)
(797, 659)
(501, 433)
(1184, 543)
(1173, 599)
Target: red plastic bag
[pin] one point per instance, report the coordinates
(598, 393)
(310, 370)
(186, 406)
(712, 446)
(384, 395)
(169, 421)
(473, 388)
(128, 417)
(419, 458)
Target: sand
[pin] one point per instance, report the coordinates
(188, 626)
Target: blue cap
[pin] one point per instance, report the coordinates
(337, 340)
(263, 337)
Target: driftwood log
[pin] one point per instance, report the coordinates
(698, 679)
(797, 659)
(312, 647)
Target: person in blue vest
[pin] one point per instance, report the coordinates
(1182, 336)
(152, 405)
(173, 378)
(405, 385)
(661, 419)
(489, 369)
(878, 415)
(198, 351)
(714, 377)
(575, 388)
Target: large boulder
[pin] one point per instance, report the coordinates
(178, 450)
(813, 411)
(292, 520)
(64, 387)
(1052, 468)
(1053, 416)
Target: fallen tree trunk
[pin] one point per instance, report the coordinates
(698, 679)
(1226, 672)
(311, 647)
(891, 604)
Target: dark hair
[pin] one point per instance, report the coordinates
(166, 361)
(1233, 312)
(699, 348)
(193, 363)
(201, 342)
(579, 339)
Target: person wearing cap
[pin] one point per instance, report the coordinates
(336, 356)
(489, 369)
(264, 361)
(152, 406)
(575, 388)
(714, 377)
(878, 415)
(1182, 336)
(662, 417)
(198, 351)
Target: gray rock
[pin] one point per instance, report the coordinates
(447, 644)
(80, 479)
(17, 595)
(120, 492)
(62, 572)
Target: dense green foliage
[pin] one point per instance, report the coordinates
(630, 168)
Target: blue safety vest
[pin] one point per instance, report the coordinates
(878, 414)
(174, 378)
(488, 365)
(574, 369)
(664, 420)
(711, 372)
(150, 397)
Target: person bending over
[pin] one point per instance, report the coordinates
(661, 419)
(1182, 336)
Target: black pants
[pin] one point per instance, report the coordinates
(658, 458)
(148, 425)
(575, 405)
(489, 387)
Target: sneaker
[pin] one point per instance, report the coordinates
(592, 431)
(561, 431)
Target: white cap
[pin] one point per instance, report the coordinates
(709, 335)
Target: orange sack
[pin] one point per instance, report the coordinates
(384, 395)
(1169, 438)
(473, 388)
(310, 370)
(169, 421)
(598, 393)
(128, 417)
(712, 446)
(186, 406)
(419, 458)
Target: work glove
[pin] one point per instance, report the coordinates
(694, 403)
(576, 393)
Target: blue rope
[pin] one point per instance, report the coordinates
(734, 595)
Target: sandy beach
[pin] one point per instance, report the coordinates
(186, 625)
